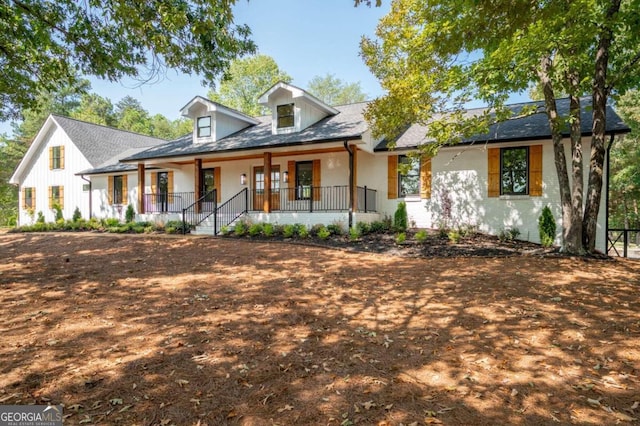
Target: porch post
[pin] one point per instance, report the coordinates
(267, 183)
(354, 180)
(141, 185)
(197, 184)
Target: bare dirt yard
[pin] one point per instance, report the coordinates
(155, 330)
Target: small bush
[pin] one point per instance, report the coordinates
(454, 236)
(354, 234)
(111, 222)
(268, 230)
(335, 229)
(255, 229)
(58, 210)
(547, 227)
(175, 227)
(130, 214)
(40, 218)
(400, 217)
(224, 230)
(288, 231)
(303, 232)
(421, 236)
(508, 234)
(363, 228)
(401, 238)
(76, 215)
(324, 233)
(240, 229)
(379, 227)
(316, 228)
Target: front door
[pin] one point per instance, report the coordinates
(207, 184)
(163, 191)
(258, 188)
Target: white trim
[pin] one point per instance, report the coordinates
(216, 107)
(296, 93)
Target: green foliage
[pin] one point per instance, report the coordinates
(421, 236)
(379, 227)
(401, 237)
(268, 230)
(224, 230)
(547, 227)
(130, 214)
(255, 229)
(46, 43)
(240, 228)
(76, 215)
(288, 231)
(509, 234)
(111, 222)
(335, 229)
(40, 218)
(454, 236)
(333, 91)
(58, 212)
(323, 233)
(176, 227)
(303, 232)
(363, 228)
(354, 234)
(246, 79)
(400, 217)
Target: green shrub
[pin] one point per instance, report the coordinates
(241, 228)
(421, 236)
(76, 215)
(508, 234)
(303, 232)
(267, 230)
(255, 229)
(379, 227)
(363, 228)
(288, 231)
(224, 230)
(111, 222)
(400, 217)
(278, 230)
(40, 218)
(130, 214)
(354, 234)
(324, 233)
(315, 229)
(175, 227)
(547, 227)
(335, 229)
(401, 237)
(58, 216)
(454, 236)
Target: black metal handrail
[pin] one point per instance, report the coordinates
(232, 209)
(171, 202)
(304, 198)
(199, 210)
(624, 234)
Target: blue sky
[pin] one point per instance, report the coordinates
(306, 38)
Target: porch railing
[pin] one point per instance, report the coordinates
(199, 210)
(232, 209)
(618, 237)
(172, 202)
(314, 199)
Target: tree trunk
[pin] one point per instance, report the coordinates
(577, 165)
(571, 237)
(596, 164)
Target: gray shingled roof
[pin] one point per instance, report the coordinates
(532, 127)
(346, 125)
(100, 144)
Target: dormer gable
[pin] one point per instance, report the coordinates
(293, 109)
(213, 121)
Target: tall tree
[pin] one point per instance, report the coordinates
(333, 91)
(11, 151)
(94, 108)
(44, 44)
(433, 56)
(131, 116)
(247, 79)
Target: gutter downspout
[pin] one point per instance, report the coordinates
(346, 146)
(90, 195)
(606, 222)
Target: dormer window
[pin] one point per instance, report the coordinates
(285, 116)
(204, 127)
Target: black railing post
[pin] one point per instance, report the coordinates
(215, 212)
(246, 200)
(625, 241)
(365, 198)
(310, 200)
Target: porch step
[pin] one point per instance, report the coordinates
(206, 227)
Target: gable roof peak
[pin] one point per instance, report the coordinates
(296, 93)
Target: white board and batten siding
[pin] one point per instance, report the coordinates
(38, 175)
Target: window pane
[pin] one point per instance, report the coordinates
(409, 182)
(117, 189)
(514, 170)
(285, 115)
(204, 127)
(55, 152)
(304, 179)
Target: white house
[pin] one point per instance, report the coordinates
(308, 162)
(47, 174)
